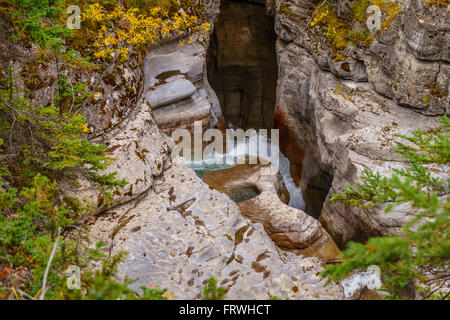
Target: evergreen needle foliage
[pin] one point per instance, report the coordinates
(421, 253)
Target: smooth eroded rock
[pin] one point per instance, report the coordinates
(181, 233)
(173, 91)
(290, 228)
(239, 177)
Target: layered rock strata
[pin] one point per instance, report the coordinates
(342, 112)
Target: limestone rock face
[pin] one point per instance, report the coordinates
(290, 228)
(239, 177)
(116, 88)
(346, 127)
(180, 232)
(117, 92)
(172, 91)
(345, 119)
(407, 61)
(176, 83)
(140, 152)
(177, 88)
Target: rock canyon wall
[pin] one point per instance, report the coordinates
(339, 96)
(337, 114)
(178, 232)
(242, 64)
(338, 106)
(344, 110)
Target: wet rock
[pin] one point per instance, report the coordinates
(290, 228)
(236, 179)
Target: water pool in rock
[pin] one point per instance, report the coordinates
(242, 194)
(217, 161)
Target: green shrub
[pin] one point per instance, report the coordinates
(212, 292)
(33, 17)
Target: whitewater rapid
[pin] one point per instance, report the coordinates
(242, 151)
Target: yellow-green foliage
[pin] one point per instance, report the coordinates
(120, 30)
(440, 3)
(285, 10)
(340, 33)
(389, 9)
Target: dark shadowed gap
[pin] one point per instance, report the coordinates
(242, 70)
(242, 64)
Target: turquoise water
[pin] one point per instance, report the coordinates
(241, 151)
(201, 168)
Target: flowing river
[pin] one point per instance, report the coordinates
(241, 150)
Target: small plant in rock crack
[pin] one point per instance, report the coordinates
(212, 292)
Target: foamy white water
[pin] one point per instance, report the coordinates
(296, 200)
(242, 151)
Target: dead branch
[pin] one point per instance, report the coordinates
(314, 15)
(47, 269)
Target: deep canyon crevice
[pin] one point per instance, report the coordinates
(242, 65)
(337, 115)
(339, 93)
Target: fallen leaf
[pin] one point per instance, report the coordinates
(4, 273)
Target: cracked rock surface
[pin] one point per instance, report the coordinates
(345, 119)
(180, 233)
(341, 116)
